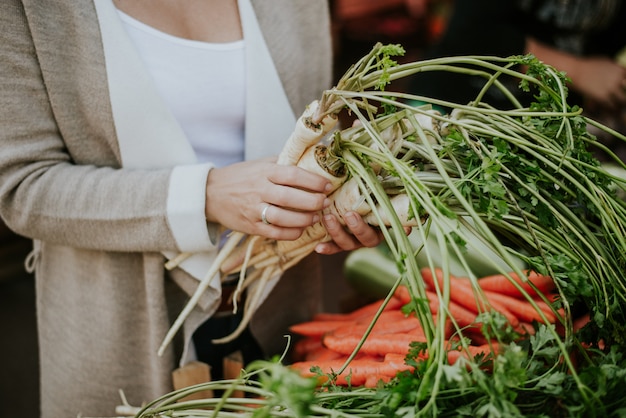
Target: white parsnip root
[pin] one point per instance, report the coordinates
(202, 287)
(305, 134)
(401, 208)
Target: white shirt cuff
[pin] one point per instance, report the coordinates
(185, 207)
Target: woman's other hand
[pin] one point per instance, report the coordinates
(355, 234)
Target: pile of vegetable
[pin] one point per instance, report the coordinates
(520, 187)
(328, 339)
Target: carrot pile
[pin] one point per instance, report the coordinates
(328, 340)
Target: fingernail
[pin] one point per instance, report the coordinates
(329, 221)
(326, 203)
(316, 219)
(328, 187)
(350, 219)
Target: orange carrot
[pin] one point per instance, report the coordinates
(462, 293)
(365, 311)
(368, 372)
(520, 308)
(471, 352)
(380, 344)
(372, 381)
(552, 297)
(544, 306)
(390, 315)
(322, 353)
(463, 316)
(305, 345)
(390, 322)
(402, 293)
(502, 284)
(369, 310)
(318, 328)
(359, 371)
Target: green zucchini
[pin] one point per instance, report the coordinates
(481, 260)
(371, 271)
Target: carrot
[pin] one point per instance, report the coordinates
(366, 311)
(462, 293)
(369, 310)
(389, 315)
(402, 293)
(379, 344)
(544, 306)
(520, 308)
(552, 297)
(318, 328)
(462, 316)
(472, 351)
(373, 380)
(322, 353)
(358, 372)
(305, 345)
(502, 284)
(368, 371)
(390, 322)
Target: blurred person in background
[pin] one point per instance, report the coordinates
(583, 38)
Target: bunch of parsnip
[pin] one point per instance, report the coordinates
(521, 181)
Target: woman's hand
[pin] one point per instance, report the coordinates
(358, 234)
(290, 198)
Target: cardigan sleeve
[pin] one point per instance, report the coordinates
(60, 174)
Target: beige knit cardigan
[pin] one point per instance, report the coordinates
(104, 300)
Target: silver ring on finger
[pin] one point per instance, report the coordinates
(264, 215)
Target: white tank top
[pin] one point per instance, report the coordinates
(203, 84)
